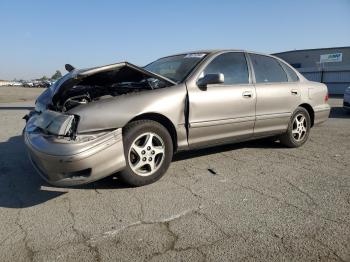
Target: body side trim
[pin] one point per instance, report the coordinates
(222, 121)
(270, 116)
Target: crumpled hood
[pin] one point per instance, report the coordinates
(123, 72)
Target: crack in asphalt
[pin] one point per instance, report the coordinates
(2, 241)
(292, 205)
(189, 189)
(81, 234)
(141, 215)
(96, 190)
(114, 232)
(166, 223)
(195, 247)
(171, 246)
(308, 196)
(30, 251)
(174, 237)
(328, 248)
(275, 235)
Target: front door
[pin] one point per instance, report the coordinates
(222, 112)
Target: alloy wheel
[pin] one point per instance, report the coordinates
(146, 154)
(299, 127)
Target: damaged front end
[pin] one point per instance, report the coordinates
(83, 86)
(64, 158)
(61, 155)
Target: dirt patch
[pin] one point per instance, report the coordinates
(9, 94)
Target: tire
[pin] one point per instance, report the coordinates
(148, 151)
(298, 129)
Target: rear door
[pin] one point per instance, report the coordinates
(222, 112)
(278, 95)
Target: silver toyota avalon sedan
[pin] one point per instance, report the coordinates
(130, 120)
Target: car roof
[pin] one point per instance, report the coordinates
(208, 51)
(214, 51)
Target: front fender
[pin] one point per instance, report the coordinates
(116, 112)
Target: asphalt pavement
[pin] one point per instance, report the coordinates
(248, 201)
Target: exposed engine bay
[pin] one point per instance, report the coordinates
(85, 93)
(82, 86)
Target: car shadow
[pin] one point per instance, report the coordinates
(260, 143)
(22, 187)
(338, 112)
(110, 182)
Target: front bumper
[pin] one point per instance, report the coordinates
(72, 163)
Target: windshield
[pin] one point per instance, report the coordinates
(177, 67)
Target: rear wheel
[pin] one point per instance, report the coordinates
(298, 129)
(148, 150)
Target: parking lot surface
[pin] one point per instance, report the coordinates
(248, 201)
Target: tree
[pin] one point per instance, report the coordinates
(43, 78)
(56, 75)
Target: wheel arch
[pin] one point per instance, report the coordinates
(163, 120)
(311, 112)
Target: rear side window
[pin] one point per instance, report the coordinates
(267, 69)
(232, 65)
(292, 76)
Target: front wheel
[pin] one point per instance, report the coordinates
(298, 129)
(148, 150)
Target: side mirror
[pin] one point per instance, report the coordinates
(211, 79)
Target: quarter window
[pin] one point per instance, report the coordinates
(267, 69)
(233, 65)
(293, 77)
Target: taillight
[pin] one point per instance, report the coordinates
(326, 98)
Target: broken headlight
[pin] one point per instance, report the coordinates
(56, 123)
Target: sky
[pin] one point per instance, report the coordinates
(39, 37)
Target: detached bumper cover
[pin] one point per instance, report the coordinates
(69, 163)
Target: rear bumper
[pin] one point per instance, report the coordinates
(75, 163)
(321, 114)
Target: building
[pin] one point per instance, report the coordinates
(5, 83)
(326, 65)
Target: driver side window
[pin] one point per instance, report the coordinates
(233, 65)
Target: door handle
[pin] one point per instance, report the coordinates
(247, 94)
(294, 91)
